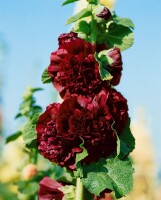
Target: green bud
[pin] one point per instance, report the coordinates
(28, 93)
(25, 110)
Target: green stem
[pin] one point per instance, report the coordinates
(93, 36)
(79, 190)
(34, 156)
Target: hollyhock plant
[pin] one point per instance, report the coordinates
(63, 127)
(89, 132)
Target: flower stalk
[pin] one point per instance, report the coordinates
(93, 36)
(79, 190)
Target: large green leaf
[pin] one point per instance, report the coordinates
(112, 173)
(119, 36)
(68, 2)
(83, 13)
(29, 132)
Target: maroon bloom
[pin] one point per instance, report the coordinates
(67, 37)
(119, 109)
(105, 14)
(74, 69)
(49, 189)
(63, 127)
(116, 67)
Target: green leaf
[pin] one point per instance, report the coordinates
(61, 174)
(123, 21)
(45, 77)
(112, 173)
(28, 188)
(6, 193)
(127, 140)
(69, 1)
(69, 192)
(29, 132)
(36, 109)
(104, 58)
(18, 115)
(13, 137)
(119, 36)
(82, 26)
(37, 89)
(79, 157)
(118, 140)
(105, 75)
(93, 1)
(83, 13)
(103, 61)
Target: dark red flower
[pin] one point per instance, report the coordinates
(119, 109)
(63, 127)
(105, 14)
(116, 67)
(67, 37)
(74, 69)
(49, 189)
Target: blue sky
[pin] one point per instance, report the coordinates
(30, 29)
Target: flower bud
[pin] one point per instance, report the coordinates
(29, 171)
(25, 110)
(116, 66)
(105, 14)
(27, 94)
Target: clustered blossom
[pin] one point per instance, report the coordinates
(63, 127)
(91, 113)
(74, 69)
